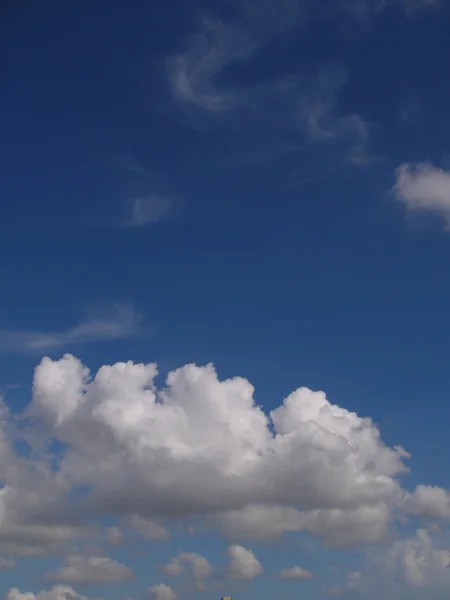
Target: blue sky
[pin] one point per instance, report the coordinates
(262, 186)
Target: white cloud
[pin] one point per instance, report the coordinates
(15, 594)
(147, 210)
(58, 592)
(424, 188)
(295, 573)
(418, 561)
(339, 527)
(116, 322)
(201, 447)
(191, 74)
(243, 564)
(91, 569)
(198, 447)
(199, 566)
(174, 568)
(162, 592)
(291, 111)
(272, 117)
(416, 566)
(429, 501)
(194, 75)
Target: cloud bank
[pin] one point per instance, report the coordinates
(91, 569)
(199, 448)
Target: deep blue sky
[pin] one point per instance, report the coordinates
(280, 258)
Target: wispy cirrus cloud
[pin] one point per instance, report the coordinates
(294, 113)
(116, 322)
(148, 209)
(271, 116)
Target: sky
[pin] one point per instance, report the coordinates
(224, 315)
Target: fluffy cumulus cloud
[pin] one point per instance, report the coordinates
(162, 591)
(419, 561)
(199, 566)
(415, 566)
(91, 569)
(425, 188)
(295, 573)
(199, 447)
(429, 501)
(243, 564)
(58, 592)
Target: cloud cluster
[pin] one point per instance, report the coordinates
(199, 447)
(58, 592)
(308, 465)
(91, 569)
(199, 566)
(419, 562)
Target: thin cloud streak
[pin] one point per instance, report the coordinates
(292, 111)
(148, 209)
(120, 322)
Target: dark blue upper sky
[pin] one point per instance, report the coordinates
(222, 173)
